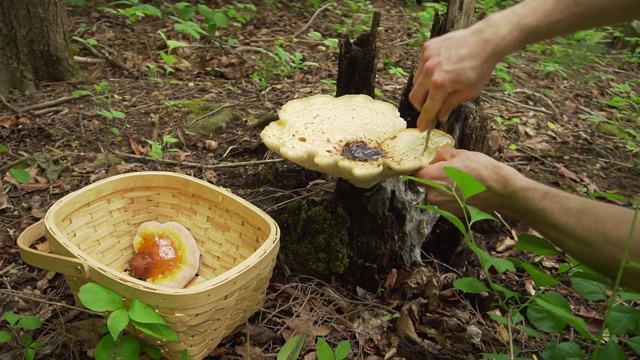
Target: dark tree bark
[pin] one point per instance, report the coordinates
(357, 62)
(33, 44)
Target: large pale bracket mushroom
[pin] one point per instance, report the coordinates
(353, 137)
(166, 254)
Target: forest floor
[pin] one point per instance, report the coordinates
(564, 113)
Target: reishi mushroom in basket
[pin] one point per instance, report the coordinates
(166, 254)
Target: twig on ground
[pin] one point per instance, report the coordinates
(87, 60)
(553, 107)
(46, 104)
(6, 167)
(530, 107)
(304, 28)
(211, 166)
(313, 17)
(49, 110)
(13, 108)
(113, 60)
(208, 114)
(22, 295)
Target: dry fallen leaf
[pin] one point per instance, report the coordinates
(505, 244)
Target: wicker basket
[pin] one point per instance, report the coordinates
(91, 231)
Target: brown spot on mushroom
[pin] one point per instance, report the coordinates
(361, 151)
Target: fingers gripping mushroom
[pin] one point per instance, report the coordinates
(166, 254)
(353, 136)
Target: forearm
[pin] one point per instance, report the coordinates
(535, 20)
(593, 232)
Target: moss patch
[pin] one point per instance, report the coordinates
(314, 240)
(215, 122)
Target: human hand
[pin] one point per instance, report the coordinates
(500, 180)
(453, 68)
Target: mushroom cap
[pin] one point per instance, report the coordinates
(166, 254)
(353, 137)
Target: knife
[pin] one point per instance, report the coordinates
(429, 131)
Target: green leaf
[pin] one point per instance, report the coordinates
(447, 215)
(536, 245)
(499, 319)
(324, 351)
(12, 318)
(152, 351)
(128, 348)
(144, 313)
(26, 340)
(79, 93)
(184, 355)
(611, 351)
(3, 148)
(98, 298)
(29, 354)
(470, 285)
(343, 350)
(20, 175)
(506, 292)
(117, 321)
(478, 215)
(220, 19)
(4, 336)
(539, 277)
(292, 348)
(160, 331)
(589, 289)
(29, 323)
(467, 184)
(552, 312)
(561, 351)
(629, 295)
(531, 332)
(315, 35)
(622, 319)
(168, 59)
(118, 114)
(609, 196)
(106, 348)
(634, 344)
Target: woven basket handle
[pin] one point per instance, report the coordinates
(61, 264)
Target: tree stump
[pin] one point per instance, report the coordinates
(386, 228)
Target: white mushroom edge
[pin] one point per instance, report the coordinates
(313, 131)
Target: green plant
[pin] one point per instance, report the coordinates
(100, 93)
(202, 20)
(502, 73)
(292, 348)
(158, 149)
(132, 11)
(279, 62)
(389, 65)
(19, 328)
(548, 311)
(332, 43)
(17, 172)
(137, 314)
(357, 16)
(324, 351)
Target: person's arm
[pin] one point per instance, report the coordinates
(593, 232)
(454, 67)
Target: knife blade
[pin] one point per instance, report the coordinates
(429, 131)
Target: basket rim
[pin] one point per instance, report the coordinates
(271, 242)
